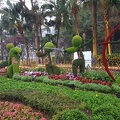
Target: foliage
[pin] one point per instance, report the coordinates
(106, 111)
(76, 41)
(3, 64)
(40, 69)
(112, 59)
(117, 80)
(52, 69)
(72, 114)
(78, 64)
(13, 59)
(26, 78)
(18, 111)
(9, 46)
(16, 76)
(116, 88)
(97, 75)
(54, 99)
(47, 46)
(71, 49)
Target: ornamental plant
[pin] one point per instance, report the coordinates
(50, 68)
(17, 111)
(80, 62)
(13, 59)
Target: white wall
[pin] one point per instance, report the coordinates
(87, 57)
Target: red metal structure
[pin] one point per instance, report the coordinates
(104, 52)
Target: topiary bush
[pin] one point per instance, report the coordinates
(52, 69)
(47, 46)
(80, 61)
(13, 59)
(76, 40)
(72, 114)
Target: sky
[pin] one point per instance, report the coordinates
(40, 2)
(28, 4)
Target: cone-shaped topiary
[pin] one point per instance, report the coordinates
(13, 59)
(76, 41)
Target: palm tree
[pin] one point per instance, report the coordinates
(12, 20)
(93, 4)
(105, 5)
(75, 10)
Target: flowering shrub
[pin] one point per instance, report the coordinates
(3, 69)
(79, 78)
(16, 111)
(35, 73)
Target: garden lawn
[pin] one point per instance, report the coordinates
(51, 100)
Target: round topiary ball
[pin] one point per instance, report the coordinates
(9, 46)
(76, 41)
(47, 47)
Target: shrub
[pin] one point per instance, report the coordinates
(52, 69)
(105, 112)
(16, 76)
(40, 69)
(118, 80)
(72, 114)
(26, 78)
(115, 88)
(97, 75)
(3, 64)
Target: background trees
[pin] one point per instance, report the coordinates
(70, 18)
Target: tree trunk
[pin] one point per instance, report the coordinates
(36, 41)
(105, 4)
(76, 25)
(94, 22)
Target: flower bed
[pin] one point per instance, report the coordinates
(15, 111)
(3, 71)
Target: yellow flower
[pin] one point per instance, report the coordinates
(96, 95)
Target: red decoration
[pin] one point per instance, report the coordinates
(104, 51)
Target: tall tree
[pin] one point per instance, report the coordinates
(75, 10)
(92, 4)
(105, 5)
(12, 20)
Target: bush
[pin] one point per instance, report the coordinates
(72, 114)
(3, 64)
(26, 78)
(16, 76)
(52, 69)
(97, 75)
(106, 112)
(118, 80)
(40, 69)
